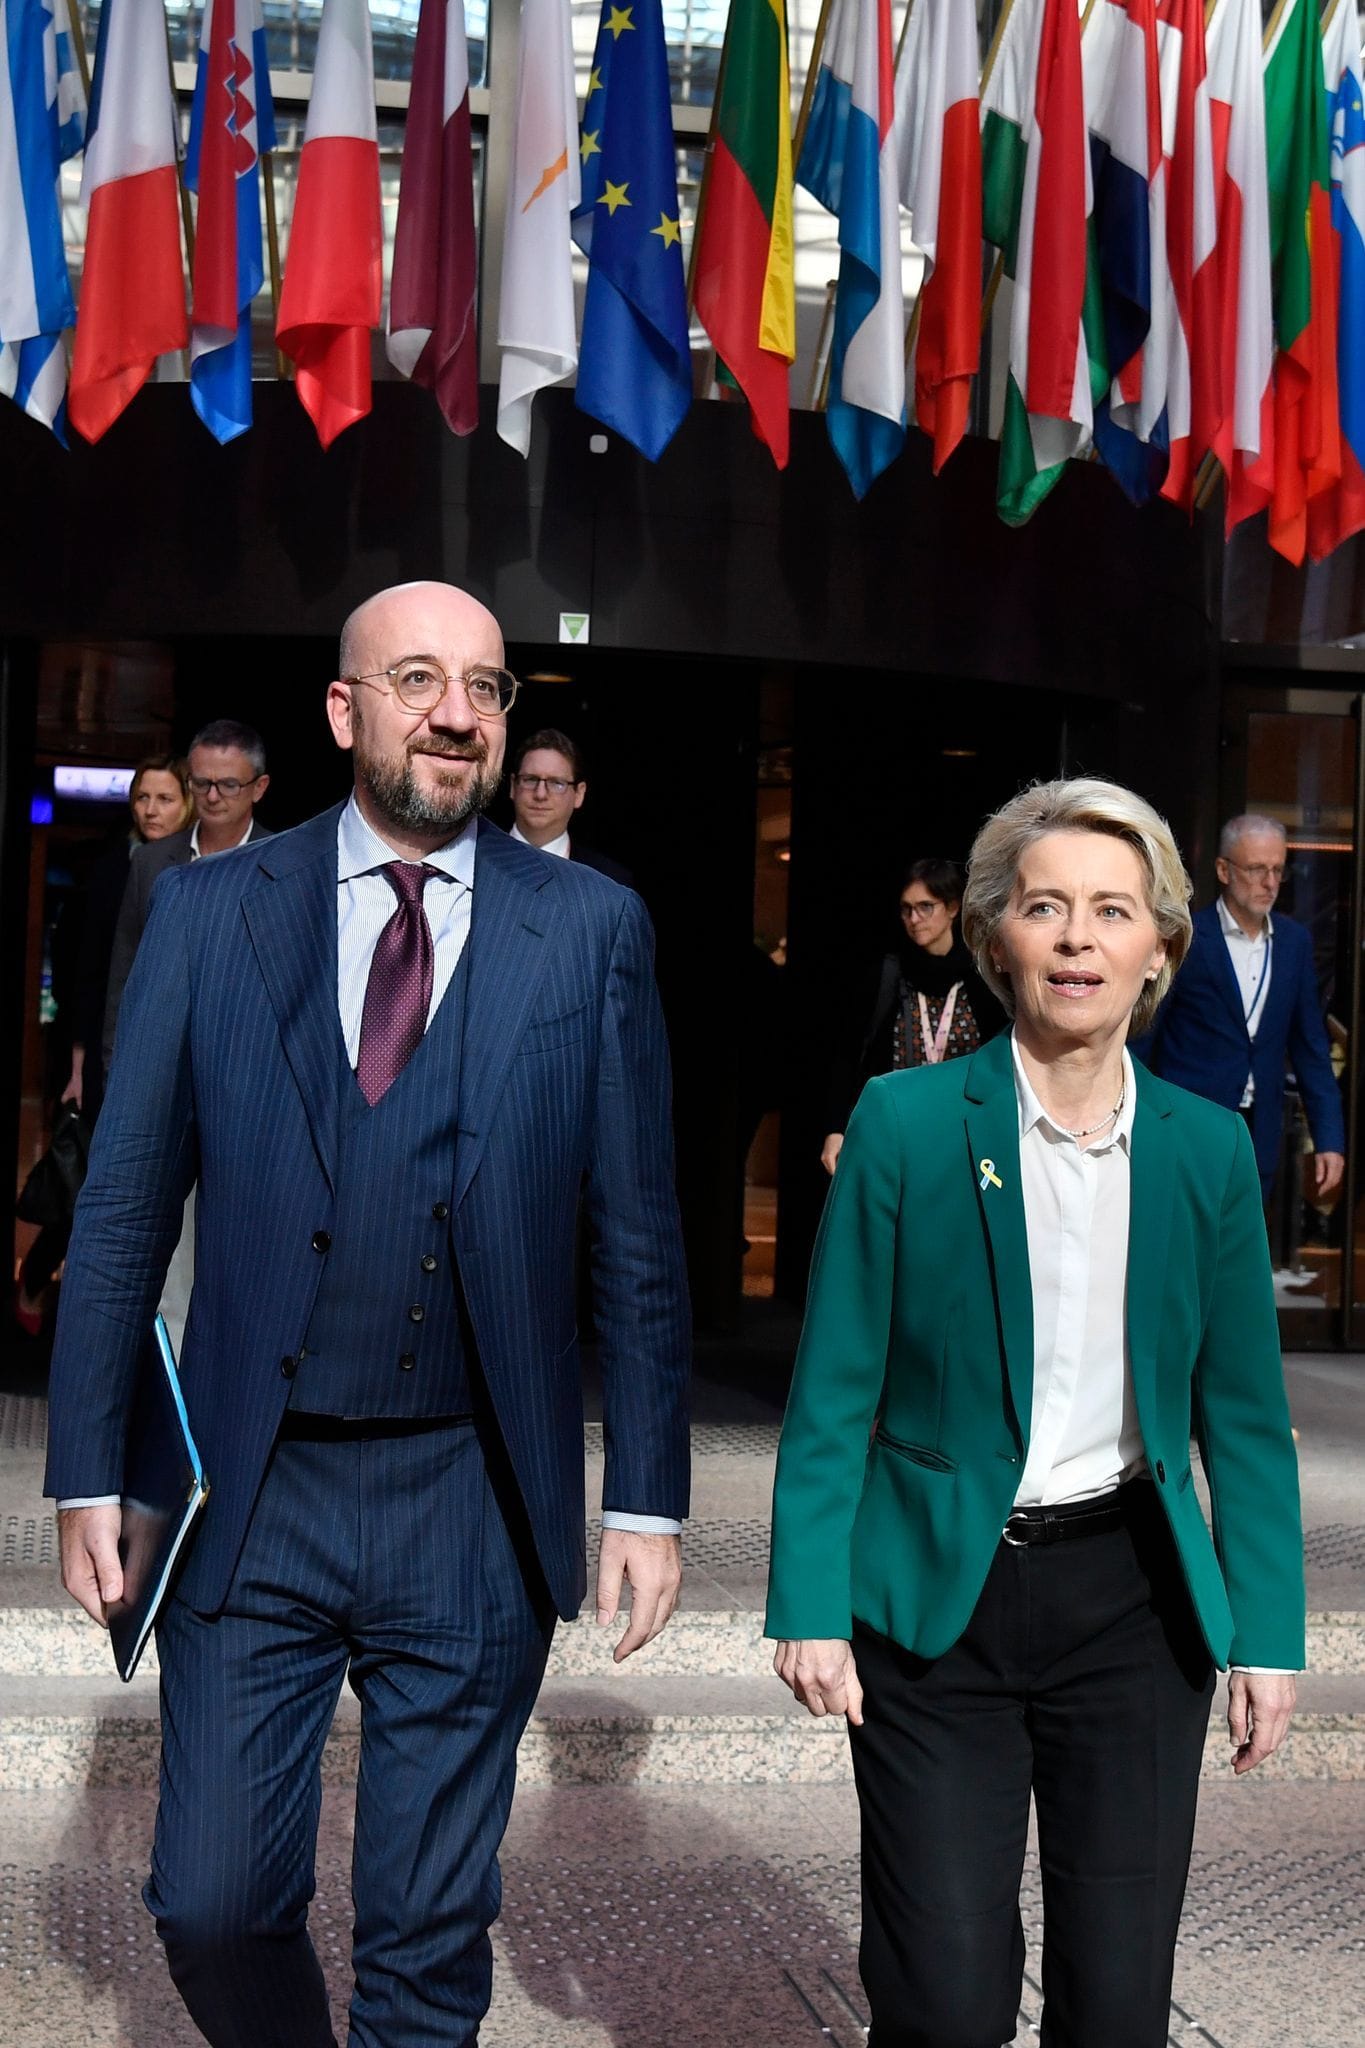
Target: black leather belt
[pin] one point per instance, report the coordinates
(1068, 1519)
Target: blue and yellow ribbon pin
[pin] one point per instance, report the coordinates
(986, 1168)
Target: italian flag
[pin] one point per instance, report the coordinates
(939, 131)
(1036, 176)
(744, 281)
(1244, 442)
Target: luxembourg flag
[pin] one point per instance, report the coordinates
(231, 123)
(1339, 512)
(42, 121)
(132, 305)
(333, 288)
(1194, 389)
(848, 163)
(1244, 443)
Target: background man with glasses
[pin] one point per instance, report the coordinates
(1244, 1007)
(548, 786)
(393, 1044)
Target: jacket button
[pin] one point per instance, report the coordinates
(416, 1312)
(440, 1210)
(406, 1362)
(322, 1240)
(1160, 1473)
(428, 1262)
(289, 1366)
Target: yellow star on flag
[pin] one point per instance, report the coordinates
(589, 145)
(594, 81)
(618, 21)
(669, 230)
(614, 196)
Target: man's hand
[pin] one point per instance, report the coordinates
(653, 1564)
(822, 1674)
(1328, 1168)
(830, 1150)
(91, 1571)
(1260, 1704)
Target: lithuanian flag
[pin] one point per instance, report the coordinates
(744, 276)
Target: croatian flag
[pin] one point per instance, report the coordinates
(848, 162)
(42, 121)
(231, 123)
(132, 306)
(1338, 513)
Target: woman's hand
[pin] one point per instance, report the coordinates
(1260, 1704)
(830, 1150)
(75, 1087)
(822, 1674)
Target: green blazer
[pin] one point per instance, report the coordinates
(908, 1423)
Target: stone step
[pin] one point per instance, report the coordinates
(590, 1731)
(58, 1641)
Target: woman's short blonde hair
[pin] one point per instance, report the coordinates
(1081, 805)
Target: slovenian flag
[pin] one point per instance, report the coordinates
(1194, 385)
(938, 125)
(231, 123)
(1244, 443)
(132, 304)
(1337, 514)
(332, 293)
(42, 122)
(848, 162)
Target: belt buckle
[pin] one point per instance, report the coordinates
(1016, 1542)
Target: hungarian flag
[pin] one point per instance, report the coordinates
(536, 335)
(1194, 380)
(332, 286)
(744, 287)
(1336, 514)
(1307, 452)
(1036, 198)
(1244, 442)
(132, 301)
(433, 336)
(938, 125)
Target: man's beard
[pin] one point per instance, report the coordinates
(395, 792)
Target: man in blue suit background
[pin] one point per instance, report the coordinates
(1245, 1005)
(392, 1048)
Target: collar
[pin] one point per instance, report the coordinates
(1032, 1113)
(360, 850)
(195, 854)
(559, 846)
(1232, 930)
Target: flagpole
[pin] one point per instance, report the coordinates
(819, 380)
(808, 90)
(283, 367)
(73, 16)
(186, 215)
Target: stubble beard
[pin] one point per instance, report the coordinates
(392, 786)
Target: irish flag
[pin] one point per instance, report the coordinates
(1194, 387)
(332, 287)
(744, 287)
(132, 301)
(1335, 514)
(1244, 442)
(1036, 199)
(938, 126)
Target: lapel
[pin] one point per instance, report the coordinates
(1210, 930)
(514, 913)
(1149, 1229)
(992, 1117)
(291, 915)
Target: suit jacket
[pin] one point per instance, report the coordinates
(1199, 1039)
(920, 1321)
(147, 864)
(226, 1072)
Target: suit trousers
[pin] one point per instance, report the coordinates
(1082, 1678)
(397, 1560)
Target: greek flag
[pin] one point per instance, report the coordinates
(42, 122)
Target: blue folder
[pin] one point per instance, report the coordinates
(164, 1489)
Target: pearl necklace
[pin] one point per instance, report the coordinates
(1091, 1129)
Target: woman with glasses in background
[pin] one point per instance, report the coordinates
(931, 1002)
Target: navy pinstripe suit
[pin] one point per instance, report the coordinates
(433, 1562)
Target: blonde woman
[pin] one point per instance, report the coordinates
(1040, 1270)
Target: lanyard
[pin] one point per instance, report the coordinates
(1258, 993)
(935, 1043)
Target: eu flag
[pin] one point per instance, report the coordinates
(634, 366)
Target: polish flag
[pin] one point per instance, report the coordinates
(1245, 437)
(1195, 382)
(332, 294)
(132, 299)
(938, 124)
(433, 337)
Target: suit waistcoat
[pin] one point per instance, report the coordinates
(385, 1338)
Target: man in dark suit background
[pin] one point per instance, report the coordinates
(228, 778)
(1245, 1006)
(392, 1045)
(548, 786)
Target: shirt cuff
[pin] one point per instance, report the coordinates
(641, 1525)
(1268, 1670)
(93, 1500)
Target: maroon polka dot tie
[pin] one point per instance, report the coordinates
(398, 992)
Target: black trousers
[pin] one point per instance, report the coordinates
(1082, 1678)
